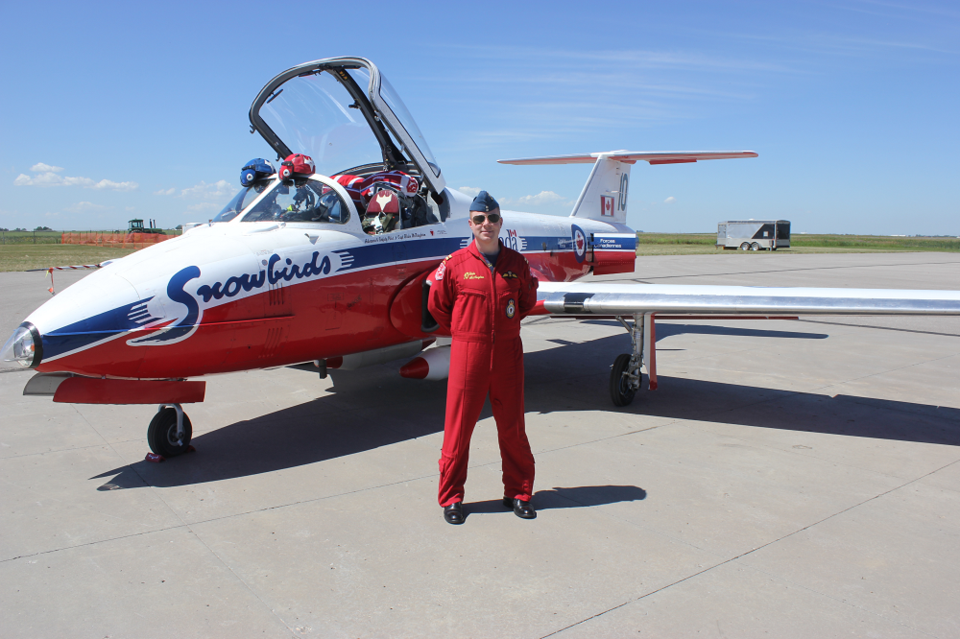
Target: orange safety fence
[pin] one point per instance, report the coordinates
(119, 240)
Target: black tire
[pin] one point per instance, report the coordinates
(620, 391)
(162, 433)
(754, 247)
(745, 246)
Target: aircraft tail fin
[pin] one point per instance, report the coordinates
(604, 196)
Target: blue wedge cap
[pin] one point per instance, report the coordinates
(484, 202)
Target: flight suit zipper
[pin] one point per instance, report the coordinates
(493, 307)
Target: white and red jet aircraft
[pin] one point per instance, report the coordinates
(289, 274)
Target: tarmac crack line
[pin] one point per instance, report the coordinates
(879, 328)
(246, 585)
(758, 548)
(183, 525)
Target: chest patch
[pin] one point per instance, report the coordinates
(470, 275)
(510, 275)
(511, 308)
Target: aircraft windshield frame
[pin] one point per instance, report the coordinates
(345, 115)
(243, 199)
(302, 200)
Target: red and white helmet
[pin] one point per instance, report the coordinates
(296, 164)
(407, 184)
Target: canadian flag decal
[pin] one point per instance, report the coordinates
(606, 205)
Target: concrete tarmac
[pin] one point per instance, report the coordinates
(788, 479)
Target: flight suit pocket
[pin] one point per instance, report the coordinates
(471, 314)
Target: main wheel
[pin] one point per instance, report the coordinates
(745, 246)
(162, 433)
(621, 392)
(754, 247)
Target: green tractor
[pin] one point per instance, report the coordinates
(136, 226)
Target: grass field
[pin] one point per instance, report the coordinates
(17, 256)
(23, 257)
(47, 237)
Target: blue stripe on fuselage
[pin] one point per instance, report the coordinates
(90, 330)
(379, 254)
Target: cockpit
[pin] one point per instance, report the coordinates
(342, 113)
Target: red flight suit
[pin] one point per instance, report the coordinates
(482, 311)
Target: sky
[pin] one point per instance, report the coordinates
(113, 111)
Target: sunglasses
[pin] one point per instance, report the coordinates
(479, 219)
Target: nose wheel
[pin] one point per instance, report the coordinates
(170, 431)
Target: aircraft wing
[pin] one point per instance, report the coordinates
(602, 298)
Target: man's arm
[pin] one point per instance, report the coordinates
(528, 290)
(441, 298)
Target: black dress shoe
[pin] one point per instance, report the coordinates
(454, 513)
(522, 509)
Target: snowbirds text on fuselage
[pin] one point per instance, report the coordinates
(287, 274)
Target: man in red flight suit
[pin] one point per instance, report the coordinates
(480, 294)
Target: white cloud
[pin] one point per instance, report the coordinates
(202, 207)
(203, 191)
(81, 207)
(116, 186)
(470, 190)
(169, 191)
(540, 199)
(48, 175)
(40, 167)
(670, 200)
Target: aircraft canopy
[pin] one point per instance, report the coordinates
(344, 114)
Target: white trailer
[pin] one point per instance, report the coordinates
(753, 235)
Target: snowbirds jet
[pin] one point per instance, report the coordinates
(301, 271)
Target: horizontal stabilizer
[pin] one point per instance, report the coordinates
(632, 157)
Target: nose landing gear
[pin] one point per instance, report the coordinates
(169, 433)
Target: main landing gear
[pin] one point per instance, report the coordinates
(169, 433)
(625, 374)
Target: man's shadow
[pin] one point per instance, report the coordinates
(558, 497)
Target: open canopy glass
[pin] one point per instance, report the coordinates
(345, 115)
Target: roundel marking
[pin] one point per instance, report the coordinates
(579, 243)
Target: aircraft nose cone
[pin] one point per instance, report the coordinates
(89, 311)
(24, 348)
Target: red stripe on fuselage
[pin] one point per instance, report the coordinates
(316, 319)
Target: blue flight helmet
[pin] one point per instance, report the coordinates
(254, 170)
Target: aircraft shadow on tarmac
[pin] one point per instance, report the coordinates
(570, 378)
